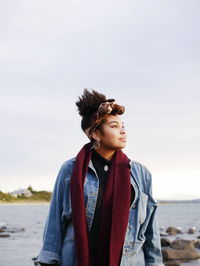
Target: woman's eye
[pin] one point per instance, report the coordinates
(114, 126)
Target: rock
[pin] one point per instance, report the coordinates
(192, 230)
(179, 254)
(16, 230)
(2, 226)
(197, 244)
(173, 230)
(11, 230)
(4, 235)
(198, 236)
(182, 244)
(165, 242)
(172, 263)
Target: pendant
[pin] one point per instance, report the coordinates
(105, 168)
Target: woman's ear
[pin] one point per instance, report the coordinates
(96, 136)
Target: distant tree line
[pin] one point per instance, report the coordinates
(33, 195)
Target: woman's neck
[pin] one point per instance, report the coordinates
(107, 154)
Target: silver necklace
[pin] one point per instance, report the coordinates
(105, 168)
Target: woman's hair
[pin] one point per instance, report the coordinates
(88, 105)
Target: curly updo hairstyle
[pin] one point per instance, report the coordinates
(88, 105)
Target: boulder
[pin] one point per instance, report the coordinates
(192, 230)
(165, 242)
(172, 263)
(197, 244)
(173, 230)
(4, 235)
(182, 244)
(12, 230)
(179, 254)
(2, 226)
(15, 230)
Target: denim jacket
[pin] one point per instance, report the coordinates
(141, 246)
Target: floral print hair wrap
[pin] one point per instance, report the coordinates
(105, 108)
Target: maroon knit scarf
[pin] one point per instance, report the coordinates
(115, 210)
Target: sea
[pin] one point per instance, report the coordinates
(21, 247)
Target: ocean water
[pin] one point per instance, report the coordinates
(21, 247)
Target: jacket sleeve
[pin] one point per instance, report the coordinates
(53, 233)
(152, 244)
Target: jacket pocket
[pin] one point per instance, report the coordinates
(131, 249)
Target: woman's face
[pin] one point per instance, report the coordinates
(112, 135)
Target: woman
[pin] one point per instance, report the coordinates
(102, 212)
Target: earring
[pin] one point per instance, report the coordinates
(96, 144)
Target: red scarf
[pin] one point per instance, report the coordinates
(115, 210)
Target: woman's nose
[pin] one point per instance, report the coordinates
(123, 130)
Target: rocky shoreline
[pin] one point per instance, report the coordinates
(177, 246)
(5, 231)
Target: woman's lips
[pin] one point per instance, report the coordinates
(123, 139)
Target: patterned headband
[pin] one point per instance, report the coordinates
(103, 111)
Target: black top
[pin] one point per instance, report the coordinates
(99, 163)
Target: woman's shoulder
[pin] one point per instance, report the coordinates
(139, 166)
(143, 175)
(66, 167)
(67, 163)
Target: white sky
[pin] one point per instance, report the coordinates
(145, 54)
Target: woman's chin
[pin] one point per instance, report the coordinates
(122, 146)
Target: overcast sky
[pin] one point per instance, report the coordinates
(144, 54)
